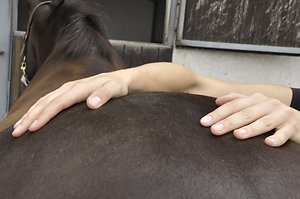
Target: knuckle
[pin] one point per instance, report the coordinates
(79, 86)
(67, 85)
(57, 104)
(116, 85)
(294, 126)
(105, 93)
(289, 112)
(232, 93)
(43, 102)
(44, 98)
(111, 85)
(258, 96)
(247, 114)
(231, 107)
(268, 122)
(228, 123)
(274, 102)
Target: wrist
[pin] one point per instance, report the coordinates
(128, 78)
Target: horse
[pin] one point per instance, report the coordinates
(147, 145)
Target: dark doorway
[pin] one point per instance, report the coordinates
(132, 20)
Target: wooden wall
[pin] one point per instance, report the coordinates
(259, 22)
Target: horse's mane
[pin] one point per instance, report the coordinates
(81, 30)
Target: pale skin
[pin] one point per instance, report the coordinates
(247, 110)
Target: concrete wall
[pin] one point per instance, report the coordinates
(241, 66)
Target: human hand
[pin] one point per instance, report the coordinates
(96, 90)
(249, 116)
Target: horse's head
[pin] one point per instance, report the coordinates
(66, 41)
(64, 31)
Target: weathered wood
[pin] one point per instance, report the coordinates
(15, 85)
(138, 53)
(268, 22)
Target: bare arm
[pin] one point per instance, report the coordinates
(267, 110)
(170, 77)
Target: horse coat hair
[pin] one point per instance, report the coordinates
(147, 145)
(144, 146)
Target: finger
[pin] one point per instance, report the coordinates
(28, 118)
(45, 100)
(228, 98)
(280, 137)
(260, 126)
(18, 123)
(21, 128)
(226, 110)
(77, 94)
(260, 115)
(111, 89)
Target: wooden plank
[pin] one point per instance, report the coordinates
(15, 86)
(267, 22)
(138, 53)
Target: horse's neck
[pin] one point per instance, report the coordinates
(44, 82)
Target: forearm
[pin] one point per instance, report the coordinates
(166, 77)
(282, 93)
(169, 77)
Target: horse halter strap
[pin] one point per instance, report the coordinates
(24, 78)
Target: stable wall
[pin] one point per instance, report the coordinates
(241, 66)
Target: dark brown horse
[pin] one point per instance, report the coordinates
(139, 146)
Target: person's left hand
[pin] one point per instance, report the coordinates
(96, 90)
(249, 116)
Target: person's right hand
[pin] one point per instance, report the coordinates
(250, 116)
(96, 90)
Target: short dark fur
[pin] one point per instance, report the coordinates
(72, 30)
(139, 146)
(144, 146)
(83, 31)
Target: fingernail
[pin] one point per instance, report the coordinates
(206, 120)
(272, 141)
(96, 101)
(218, 127)
(242, 132)
(18, 123)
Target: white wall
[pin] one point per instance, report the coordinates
(241, 66)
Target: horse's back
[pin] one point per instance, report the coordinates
(144, 146)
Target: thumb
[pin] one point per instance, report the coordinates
(103, 94)
(94, 101)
